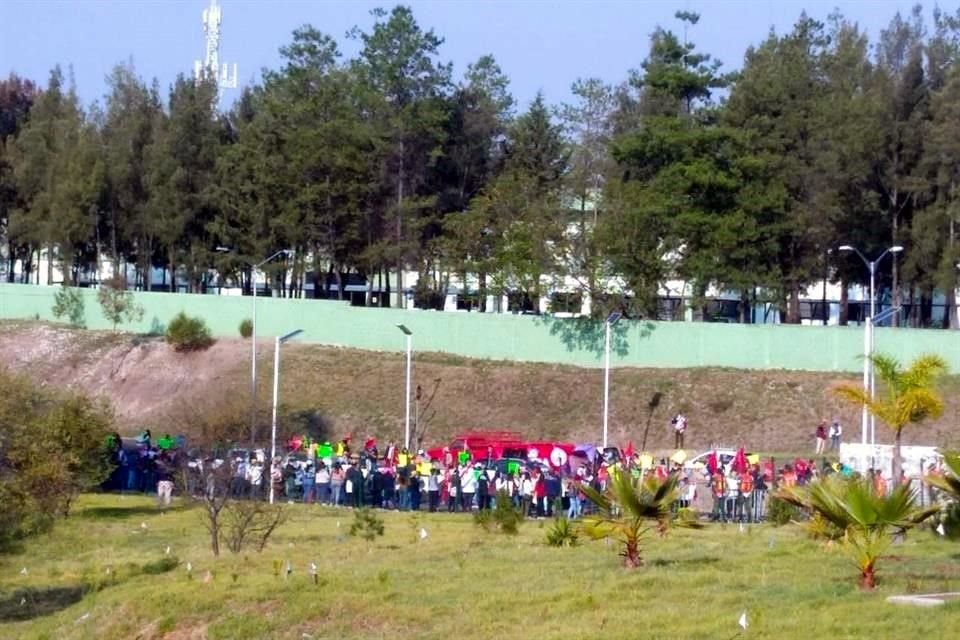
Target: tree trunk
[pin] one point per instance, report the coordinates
(950, 315)
(950, 312)
(868, 578)
(339, 276)
(844, 317)
(897, 460)
(482, 292)
(400, 298)
(745, 315)
(631, 555)
(895, 272)
(793, 307)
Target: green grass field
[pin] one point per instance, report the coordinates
(459, 582)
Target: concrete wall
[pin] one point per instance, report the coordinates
(509, 337)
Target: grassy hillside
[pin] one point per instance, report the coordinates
(336, 391)
(105, 574)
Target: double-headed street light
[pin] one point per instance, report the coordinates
(608, 324)
(276, 392)
(868, 380)
(406, 423)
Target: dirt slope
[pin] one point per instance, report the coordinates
(336, 391)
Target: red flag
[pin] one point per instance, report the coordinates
(740, 461)
(712, 463)
(628, 452)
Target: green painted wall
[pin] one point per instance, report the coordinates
(509, 337)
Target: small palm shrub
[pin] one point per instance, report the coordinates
(868, 521)
(562, 534)
(629, 508)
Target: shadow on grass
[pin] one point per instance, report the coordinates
(116, 513)
(587, 334)
(30, 603)
(670, 562)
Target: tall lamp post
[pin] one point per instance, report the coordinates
(253, 343)
(276, 392)
(607, 325)
(406, 422)
(868, 381)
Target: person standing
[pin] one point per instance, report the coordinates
(835, 432)
(468, 487)
(821, 436)
(337, 479)
(718, 487)
(164, 480)
(433, 490)
(679, 423)
(322, 483)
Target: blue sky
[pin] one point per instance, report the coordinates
(540, 45)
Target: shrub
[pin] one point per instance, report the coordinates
(185, 333)
(250, 523)
(68, 302)
(163, 565)
(562, 534)
(117, 303)
(367, 525)
(246, 328)
(507, 517)
(781, 512)
(36, 488)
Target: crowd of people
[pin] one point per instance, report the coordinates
(729, 490)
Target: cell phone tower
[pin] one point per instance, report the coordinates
(210, 67)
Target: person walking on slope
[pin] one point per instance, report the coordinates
(821, 436)
(679, 423)
(835, 432)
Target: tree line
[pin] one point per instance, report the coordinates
(745, 182)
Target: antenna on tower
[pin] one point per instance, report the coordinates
(210, 66)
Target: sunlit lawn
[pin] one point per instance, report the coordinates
(459, 582)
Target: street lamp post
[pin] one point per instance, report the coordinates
(276, 391)
(868, 380)
(406, 422)
(608, 323)
(253, 343)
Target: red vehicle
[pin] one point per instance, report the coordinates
(503, 444)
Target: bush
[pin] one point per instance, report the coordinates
(246, 328)
(562, 534)
(781, 512)
(367, 525)
(507, 517)
(250, 523)
(68, 302)
(118, 304)
(35, 487)
(185, 333)
(163, 565)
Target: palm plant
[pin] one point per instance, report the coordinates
(867, 520)
(949, 484)
(629, 508)
(910, 395)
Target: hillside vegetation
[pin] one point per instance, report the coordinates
(336, 391)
